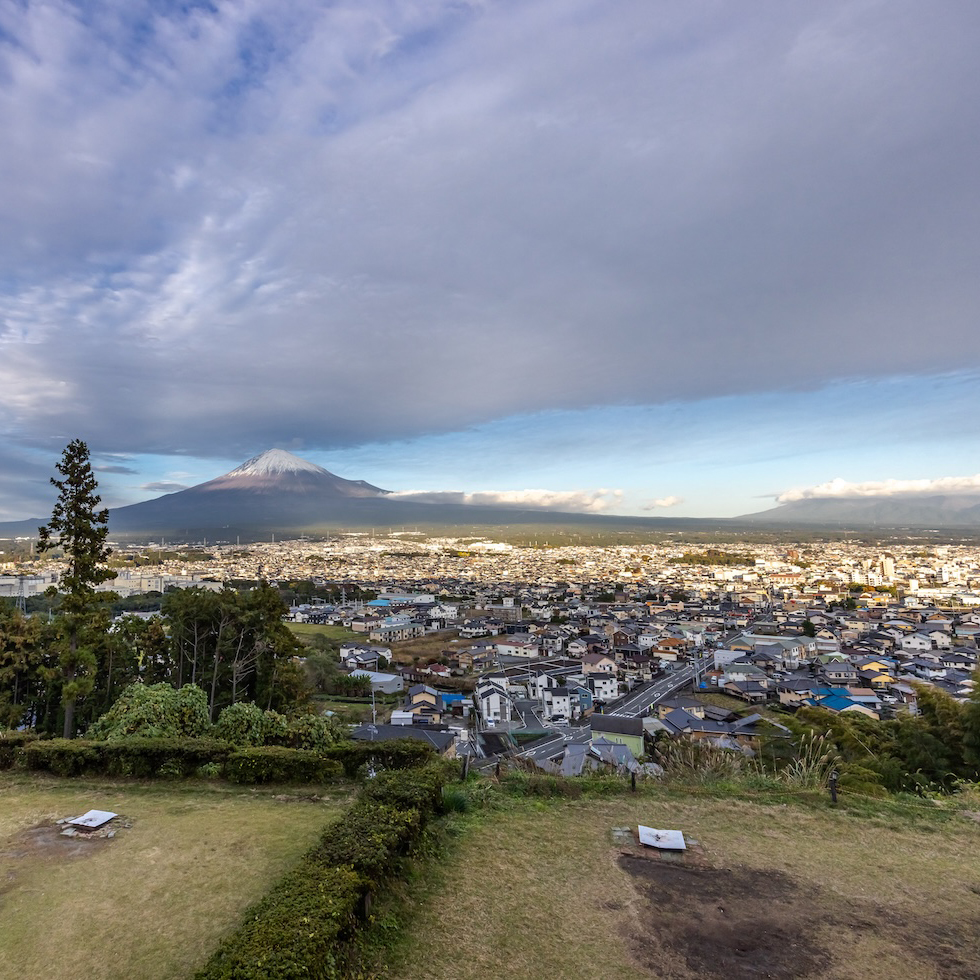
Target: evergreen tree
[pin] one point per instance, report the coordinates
(80, 530)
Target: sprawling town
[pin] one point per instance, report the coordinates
(575, 655)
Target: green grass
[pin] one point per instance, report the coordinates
(340, 633)
(153, 902)
(535, 888)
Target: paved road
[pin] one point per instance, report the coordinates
(639, 701)
(553, 746)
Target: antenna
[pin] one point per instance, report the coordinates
(21, 596)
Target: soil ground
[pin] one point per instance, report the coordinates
(744, 923)
(773, 889)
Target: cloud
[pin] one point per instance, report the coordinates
(662, 502)
(115, 468)
(163, 486)
(569, 501)
(839, 488)
(324, 225)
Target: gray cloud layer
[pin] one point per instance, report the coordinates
(316, 225)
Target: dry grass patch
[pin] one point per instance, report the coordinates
(154, 901)
(543, 891)
(428, 647)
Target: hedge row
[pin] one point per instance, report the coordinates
(403, 753)
(140, 757)
(178, 758)
(305, 926)
(10, 742)
(275, 764)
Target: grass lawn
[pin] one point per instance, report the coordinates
(782, 889)
(737, 705)
(340, 633)
(154, 901)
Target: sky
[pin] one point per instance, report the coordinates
(685, 258)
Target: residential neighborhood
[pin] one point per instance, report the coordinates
(541, 650)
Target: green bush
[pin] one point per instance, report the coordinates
(370, 838)
(62, 756)
(277, 764)
(402, 753)
(306, 926)
(245, 723)
(155, 711)
(10, 742)
(415, 789)
(172, 758)
(297, 930)
(314, 732)
(143, 758)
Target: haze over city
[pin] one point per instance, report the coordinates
(666, 259)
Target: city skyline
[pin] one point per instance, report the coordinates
(663, 260)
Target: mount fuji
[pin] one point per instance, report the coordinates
(280, 493)
(275, 490)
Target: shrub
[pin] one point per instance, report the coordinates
(314, 732)
(10, 742)
(369, 838)
(297, 930)
(62, 756)
(277, 764)
(155, 711)
(401, 753)
(245, 723)
(417, 789)
(306, 926)
(172, 758)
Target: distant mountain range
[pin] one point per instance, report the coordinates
(898, 510)
(278, 493)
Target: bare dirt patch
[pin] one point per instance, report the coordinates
(45, 842)
(744, 923)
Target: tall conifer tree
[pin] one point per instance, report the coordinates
(80, 530)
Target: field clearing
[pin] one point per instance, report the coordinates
(778, 889)
(339, 633)
(428, 647)
(154, 901)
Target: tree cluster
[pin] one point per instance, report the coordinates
(67, 670)
(932, 751)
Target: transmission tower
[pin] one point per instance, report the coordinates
(21, 596)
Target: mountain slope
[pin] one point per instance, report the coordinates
(279, 493)
(906, 510)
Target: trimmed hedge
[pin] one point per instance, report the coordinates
(298, 930)
(141, 757)
(63, 756)
(370, 838)
(175, 758)
(306, 925)
(275, 764)
(418, 789)
(10, 742)
(402, 753)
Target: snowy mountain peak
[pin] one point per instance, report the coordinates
(274, 462)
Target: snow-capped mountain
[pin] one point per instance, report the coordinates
(279, 493)
(277, 470)
(276, 490)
